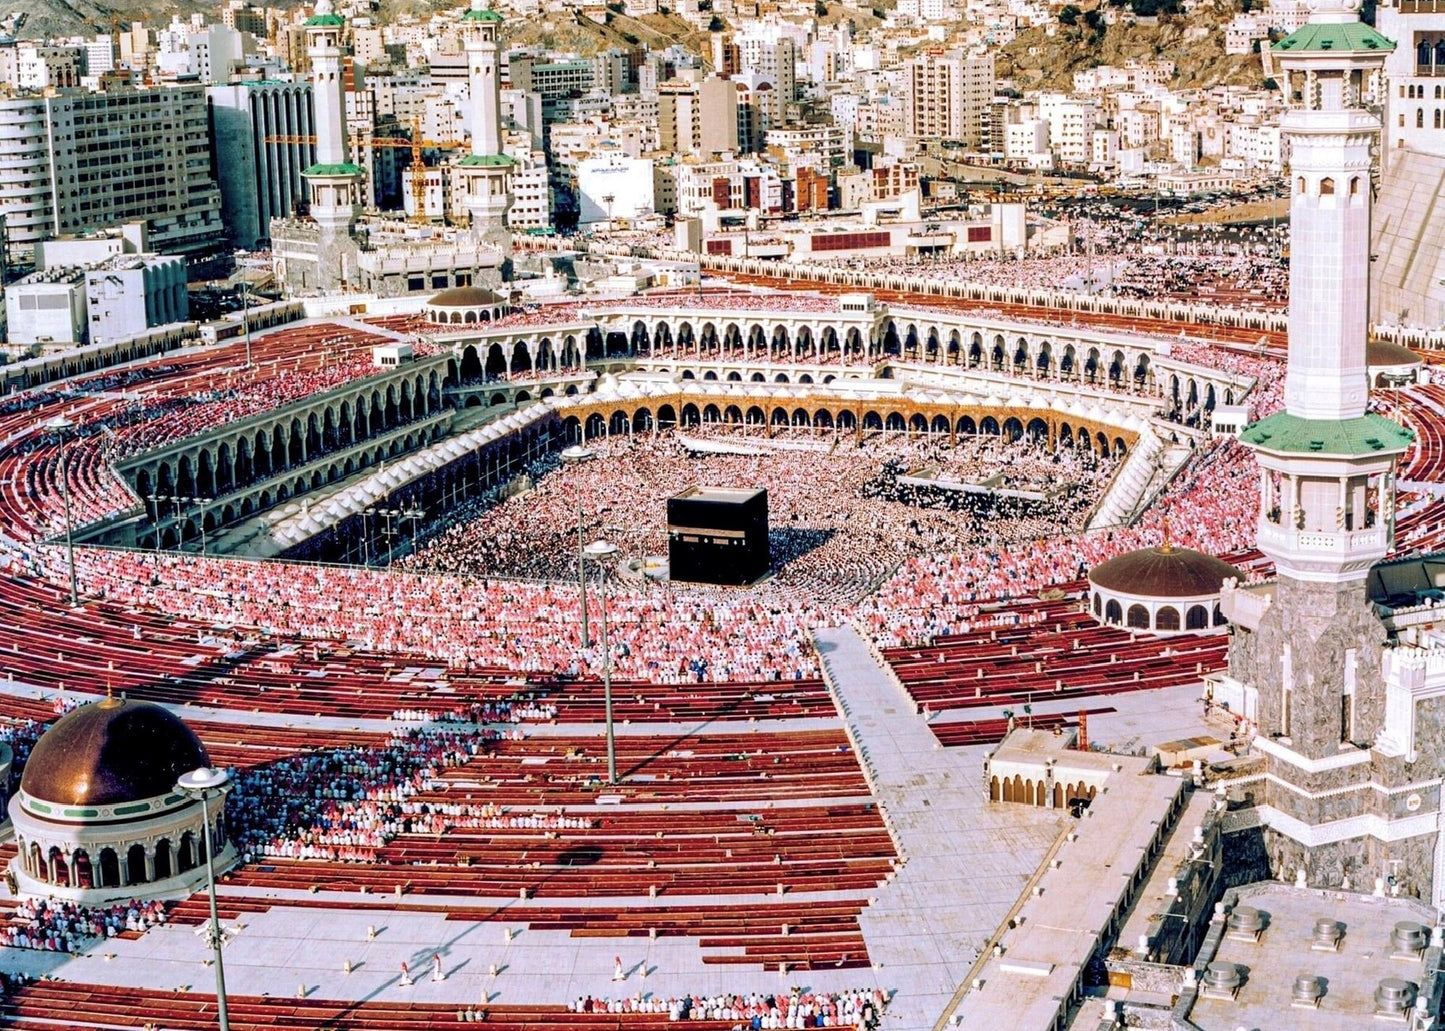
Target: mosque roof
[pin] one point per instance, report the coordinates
(111, 752)
(325, 20)
(1381, 354)
(1368, 434)
(484, 14)
(1163, 572)
(495, 160)
(466, 297)
(1333, 37)
(340, 168)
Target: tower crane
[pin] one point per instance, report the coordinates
(418, 167)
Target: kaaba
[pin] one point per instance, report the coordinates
(718, 535)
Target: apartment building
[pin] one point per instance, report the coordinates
(79, 161)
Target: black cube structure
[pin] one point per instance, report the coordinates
(718, 535)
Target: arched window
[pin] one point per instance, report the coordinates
(1138, 617)
(1167, 618)
(1327, 187)
(1113, 612)
(1422, 52)
(1197, 618)
(1299, 185)
(1420, 118)
(1354, 186)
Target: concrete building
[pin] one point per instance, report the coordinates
(132, 293)
(1406, 276)
(948, 94)
(698, 118)
(613, 189)
(47, 309)
(80, 161)
(1349, 730)
(259, 174)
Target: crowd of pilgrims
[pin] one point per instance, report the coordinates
(343, 804)
(838, 521)
(858, 1008)
(53, 925)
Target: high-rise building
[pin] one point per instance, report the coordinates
(698, 118)
(262, 140)
(1409, 247)
(1343, 795)
(79, 161)
(948, 95)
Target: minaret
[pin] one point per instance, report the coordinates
(1307, 655)
(484, 173)
(333, 182)
(1326, 510)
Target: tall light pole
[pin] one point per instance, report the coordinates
(62, 427)
(601, 551)
(245, 307)
(202, 784)
(577, 455)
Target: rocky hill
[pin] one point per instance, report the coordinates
(1194, 43)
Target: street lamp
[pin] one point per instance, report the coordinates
(416, 514)
(601, 551)
(62, 427)
(576, 455)
(202, 784)
(245, 306)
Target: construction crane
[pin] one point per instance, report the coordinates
(418, 167)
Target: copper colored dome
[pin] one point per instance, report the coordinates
(1163, 572)
(1381, 354)
(466, 297)
(111, 752)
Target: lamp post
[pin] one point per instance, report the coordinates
(202, 784)
(416, 514)
(576, 455)
(62, 427)
(245, 307)
(601, 551)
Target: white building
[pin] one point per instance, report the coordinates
(948, 95)
(132, 293)
(614, 189)
(47, 309)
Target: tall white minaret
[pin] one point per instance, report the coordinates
(1327, 495)
(333, 182)
(484, 78)
(1331, 132)
(485, 173)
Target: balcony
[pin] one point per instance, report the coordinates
(1341, 545)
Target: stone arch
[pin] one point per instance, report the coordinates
(108, 867)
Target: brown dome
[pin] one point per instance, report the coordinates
(111, 752)
(466, 297)
(1381, 354)
(1164, 572)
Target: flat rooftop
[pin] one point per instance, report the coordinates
(1285, 951)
